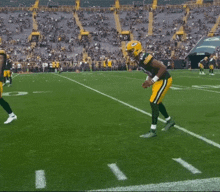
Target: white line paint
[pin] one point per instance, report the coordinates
(199, 77)
(210, 184)
(187, 166)
(40, 179)
(203, 88)
(146, 113)
(198, 136)
(207, 90)
(174, 86)
(117, 172)
(42, 91)
(15, 76)
(207, 86)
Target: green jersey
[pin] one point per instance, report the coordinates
(145, 62)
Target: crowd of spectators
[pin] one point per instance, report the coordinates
(61, 35)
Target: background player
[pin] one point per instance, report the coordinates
(7, 71)
(212, 64)
(3, 103)
(202, 64)
(161, 80)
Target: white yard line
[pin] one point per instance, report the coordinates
(42, 91)
(198, 136)
(15, 76)
(187, 166)
(199, 77)
(176, 85)
(117, 172)
(40, 179)
(210, 184)
(179, 76)
(144, 112)
(202, 89)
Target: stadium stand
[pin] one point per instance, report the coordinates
(86, 33)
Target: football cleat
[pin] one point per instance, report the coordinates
(149, 134)
(169, 124)
(10, 119)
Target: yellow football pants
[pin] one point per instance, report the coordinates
(211, 67)
(201, 66)
(160, 89)
(7, 73)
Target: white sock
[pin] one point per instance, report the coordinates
(154, 127)
(168, 118)
(11, 114)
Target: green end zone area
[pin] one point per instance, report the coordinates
(73, 133)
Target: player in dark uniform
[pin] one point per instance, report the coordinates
(7, 71)
(212, 64)
(160, 80)
(202, 64)
(3, 103)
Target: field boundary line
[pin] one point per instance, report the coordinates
(144, 112)
(208, 184)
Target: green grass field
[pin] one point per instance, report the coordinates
(73, 132)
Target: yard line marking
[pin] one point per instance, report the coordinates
(199, 77)
(15, 76)
(174, 88)
(117, 172)
(144, 112)
(209, 184)
(42, 91)
(198, 136)
(202, 89)
(40, 180)
(187, 166)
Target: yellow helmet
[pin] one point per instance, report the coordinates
(134, 47)
(206, 58)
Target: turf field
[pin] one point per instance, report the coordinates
(81, 132)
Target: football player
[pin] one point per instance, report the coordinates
(3, 103)
(7, 71)
(160, 80)
(202, 64)
(212, 65)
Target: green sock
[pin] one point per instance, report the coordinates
(155, 113)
